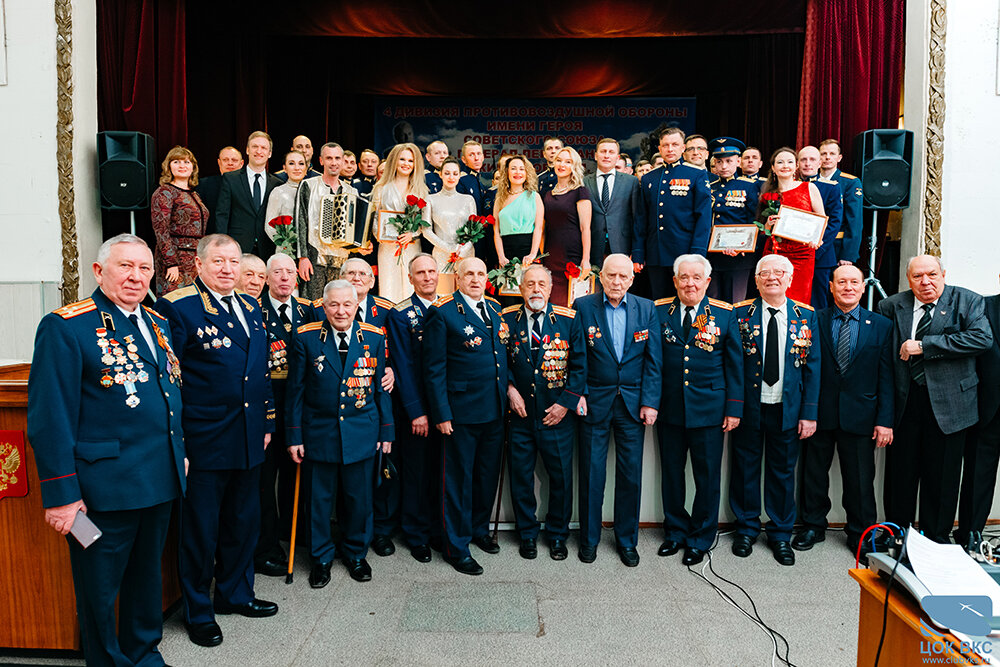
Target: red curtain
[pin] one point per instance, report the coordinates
(852, 69)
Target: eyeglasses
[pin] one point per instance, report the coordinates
(768, 273)
(696, 149)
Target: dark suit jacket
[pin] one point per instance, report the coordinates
(405, 328)
(618, 223)
(208, 189)
(988, 365)
(959, 332)
(833, 206)
(236, 214)
(862, 397)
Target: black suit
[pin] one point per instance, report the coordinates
(852, 402)
(236, 213)
(208, 189)
(612, 230)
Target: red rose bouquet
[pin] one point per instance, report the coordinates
(410, 222)
(771, 206)
(285, 237)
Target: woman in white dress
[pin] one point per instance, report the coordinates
(284, 198)
(449, 211)
(403, 175)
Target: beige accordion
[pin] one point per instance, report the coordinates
(343, 220)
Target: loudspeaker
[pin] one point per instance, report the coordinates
(127, 170)
(882, 159)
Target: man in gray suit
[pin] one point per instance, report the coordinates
(938, 331)
(616, 205)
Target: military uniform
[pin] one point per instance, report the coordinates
(282, 176)
(433, 180)
(364, 184)
(228, 409)
(340, 437)
(460, 352)
(848, 241)
(702, 384)
(547, 180)
(826, 254)
(547, 369)
(374, 308)
(104, 419)
(479, 186)
(735, 203)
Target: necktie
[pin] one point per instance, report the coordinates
(135, 322)
(256, 191)
(771, 349)
(687, 322)
(342, 347)
(844, 342)
(283, 314)
(485, 315)
(536, 331)
(605, 192)
(917, 361)
(231, 307)
(359, 314)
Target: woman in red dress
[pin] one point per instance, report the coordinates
(797, 194)
(179, 219)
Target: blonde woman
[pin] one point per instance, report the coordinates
(179, 218)
(567, 222)
(403, 176)
(519, 212)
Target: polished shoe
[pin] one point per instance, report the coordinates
(629, 556)
(557, 549)
(692, 556)
(669, 548)
(782, 551)
(204, 634)
(253, 609)
(528, 548)
(467, 565)
(319, 576)
(358, 568)
(588, 554)
(486, 543)
(421, 553)
(271, 568)
(436, 543)
(743, 546)
(382, 545)
(807, 539)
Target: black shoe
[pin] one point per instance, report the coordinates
(486, 543)
(358, 568)
(588, 554)
(743, 546)
(669, 548)
(693, 556)
(972, 542)
(782, 551)
(319, 576)
(629, 556)
(467, 565)
(807, 539)
(253, 609)
(271, 567)
(436, 543)
(421, 553)
(204, 634)
(382, 545)
(528, 548)
(557, 549)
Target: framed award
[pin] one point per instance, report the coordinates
(741, 238)
(386, 232)
(581, 286)
(795, 224)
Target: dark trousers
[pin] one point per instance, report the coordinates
(922, 456)
(470, 473)
(778, 449)
(386, 500)
(661, 281)
(555, 445)
(126, 560)
(354, 514)
(628, 476)
(698, 529)
(979, 476)
(731, 285)
(420, 492)
(220, 522)
(277, 491)
(821, 288)
(857, 467)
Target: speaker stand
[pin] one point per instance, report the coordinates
(872, 282)
(131, 224)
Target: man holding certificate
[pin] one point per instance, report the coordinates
(734, 234)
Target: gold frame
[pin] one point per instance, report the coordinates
(753, 242)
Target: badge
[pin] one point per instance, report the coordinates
(640, 335)
(216, 343)
(106, 380)
(469, 330)
(226, 341)
(132, 400)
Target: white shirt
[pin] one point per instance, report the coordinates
(600, 183)
(363, 308)
(252, 176)
(772, 394)
(276, 304)
(918, 312)
(237, 305)
(143, 328)
(427, 304)
(474, 305)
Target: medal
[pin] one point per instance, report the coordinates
(226, 341)
(106, 380)
(132, 400)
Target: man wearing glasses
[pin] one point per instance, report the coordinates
(696, 151)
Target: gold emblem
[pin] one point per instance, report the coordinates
(10, 463)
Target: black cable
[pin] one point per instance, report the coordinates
(885, 608)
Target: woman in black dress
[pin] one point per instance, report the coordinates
(567, 223)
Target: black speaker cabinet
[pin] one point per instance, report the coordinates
(883, 159)
(127, 170)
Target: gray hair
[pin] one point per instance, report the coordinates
(537, 267)
(213, 240)
(935, 258)
(785, 263)
(619, 256)
(105, 250)
(693, 259)
(250, 258)
(356, 260)
(273, 259)
(409, 266)
(339, 284)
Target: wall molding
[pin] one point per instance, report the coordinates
(64, 150)
(934, 130)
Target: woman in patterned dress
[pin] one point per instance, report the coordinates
(179, 219)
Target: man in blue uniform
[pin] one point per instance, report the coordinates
(339, 356)
(702, 399)
(833, 206)
(623, 395)
(678, 213)
(547, 364)
(734, 203)
(465, 365)
(437, 151)
(104, 419)
(848, 242)
(781, 392)
(751, 162)
(228, 420)
(547, 178)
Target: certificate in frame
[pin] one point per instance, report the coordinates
(512, 290)
(741, 238)
(386, 232)
(581, 286)
(796, 224)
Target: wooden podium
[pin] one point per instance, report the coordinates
(39, 606)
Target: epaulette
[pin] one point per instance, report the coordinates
(748, 179)
(304, 302)
(153, 313)
(180, 293)
(564, 311)
(443, 300)
(403, 305)
(824, 179)
(664, 301)
(725, 305)
(803, 305)
(78, 308)
(743, 303)
(514, 309)
(489, 298)
(385, 303)
(318, 303)
(370, 327)
(846, 175)
(312, 326)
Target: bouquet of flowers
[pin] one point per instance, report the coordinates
(509, 275)
(772, 204)
(474, 228)
(574, 271)
(410, 222)
(285, 237)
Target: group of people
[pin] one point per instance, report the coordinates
(394, 415)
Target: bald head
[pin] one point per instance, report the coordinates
(470, 277)
(616, 277)
(281, 276)
(847, 285)
(808, 161)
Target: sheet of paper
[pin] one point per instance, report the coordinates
(946, 569)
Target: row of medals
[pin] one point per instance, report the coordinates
(554, 359)
(364, 372)
(125, 364)
(216, 342)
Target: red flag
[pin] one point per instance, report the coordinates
(13, 465)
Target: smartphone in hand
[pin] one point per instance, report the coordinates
(84, 530)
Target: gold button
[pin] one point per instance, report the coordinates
(661, 228)
(341, 407)
(686, 347)
(246, 405)
(687, 358)
(341, 419)
(171, 413)
(686, 371)
(246, 379)
(661, 215)
(343, 393)
(685, 383)
(171, 433)
(167, 394)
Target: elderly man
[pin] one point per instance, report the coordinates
(623, 395)
(781, 393)
(465, 373)
(546, 360)
(104, 419)
(253, 275)
(339, 356)
(939, 331)
(228, 421)
(702, 398)
(243, 198)
(371, 309)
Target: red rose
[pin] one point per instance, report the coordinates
(572, 270)
(411, 200)
(490, 287)
(453, 258)
(489, 220)
(283, 220)
(421, 204)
